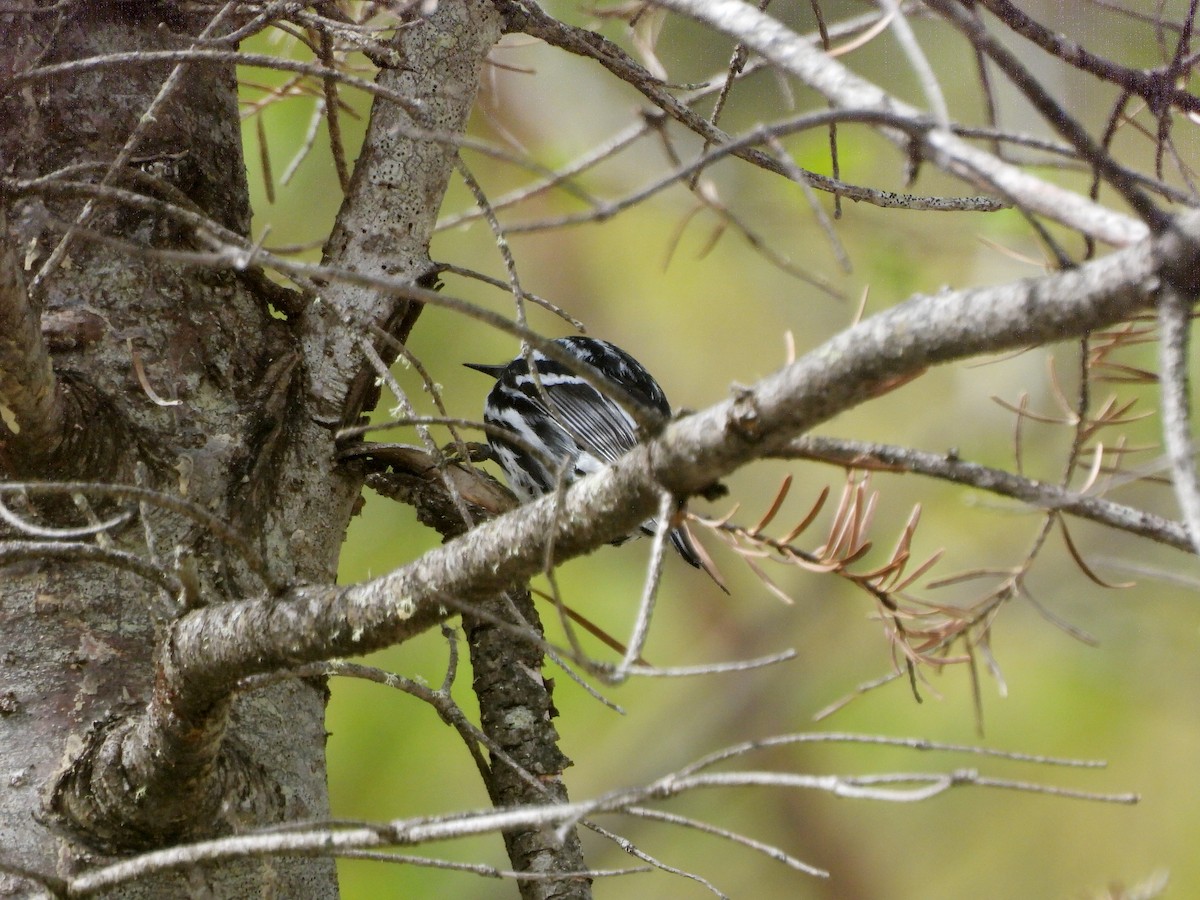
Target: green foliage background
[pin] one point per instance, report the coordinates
(704, 319)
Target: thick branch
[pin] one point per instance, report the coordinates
(796, 56)
(217, 645)
(1175, 322)
(390, 211)
(31, 408)
(211, 648)
(516, 711)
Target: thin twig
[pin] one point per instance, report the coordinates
(1039, 494)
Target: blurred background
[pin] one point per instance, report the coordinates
(704, 311)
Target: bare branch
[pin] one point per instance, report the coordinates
(212, 648)
(339, 839)
(860, 455)
(1175, 321)
(76, 67)
(845, 89)
(1155, 86)
(530, 19)
(919, 62)
(645, 611)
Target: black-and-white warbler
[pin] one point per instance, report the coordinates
(575, 429)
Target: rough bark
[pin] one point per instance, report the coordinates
(79, 638)
(515, 699)
(516, 702)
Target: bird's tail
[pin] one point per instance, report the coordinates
(682, 540)
(686, 547)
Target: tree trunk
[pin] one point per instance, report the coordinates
(177, 378)
(79, 639)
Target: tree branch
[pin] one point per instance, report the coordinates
(210, 649)
(389, 213)
(1175, 322)
(31, 404)
(863, 455)
(529, 19)
(843, 88)
(1052, 111)
(1155, 86)
(342, 839)
(516, 712)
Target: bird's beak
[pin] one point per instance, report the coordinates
(494, 371)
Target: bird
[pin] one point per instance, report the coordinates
(570, 426)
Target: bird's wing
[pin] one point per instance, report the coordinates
(597, 424)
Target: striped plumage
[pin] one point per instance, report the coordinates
(569, 420)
